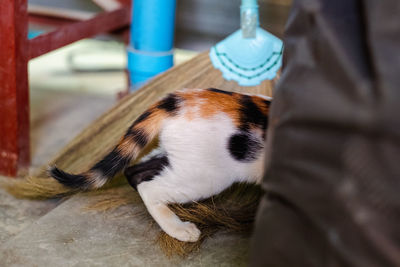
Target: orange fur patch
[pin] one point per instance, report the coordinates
(261, 104)
(126, 146)
(149, 126)
(206, 104)
(152, 124)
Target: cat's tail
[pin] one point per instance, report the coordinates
(138, 135)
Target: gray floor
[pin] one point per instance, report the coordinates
(70, 236)
(16, 214)
(56, 117)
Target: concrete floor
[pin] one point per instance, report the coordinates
(60, 233)
(56, 117)
(17, 214)
(70, 236)
(59, 111)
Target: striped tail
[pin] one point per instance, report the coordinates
(139, 134)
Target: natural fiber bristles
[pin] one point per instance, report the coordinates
(36, 188)
(233, 211)
(113, 198)
(33, 187)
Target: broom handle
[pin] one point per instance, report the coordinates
(249, 18)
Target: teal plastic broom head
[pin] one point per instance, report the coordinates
(249, 55)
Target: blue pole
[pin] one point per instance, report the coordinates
(151, 42)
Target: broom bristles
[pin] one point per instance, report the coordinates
(36, 188)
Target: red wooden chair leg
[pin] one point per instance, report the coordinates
(14, 91)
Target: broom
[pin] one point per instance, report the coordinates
(101, 136)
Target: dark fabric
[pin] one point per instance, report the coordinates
(333, 167)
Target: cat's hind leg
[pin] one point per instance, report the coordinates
(164, 216)
(170, 223)
(143, 177)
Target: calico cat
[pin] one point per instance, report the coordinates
(208, 140)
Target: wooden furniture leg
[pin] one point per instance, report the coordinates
(15, 52)
(14, 91)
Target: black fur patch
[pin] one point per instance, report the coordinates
(250, 115)
(220, 91)
(142, 117)
(67, 179)
(111, 164)
(170, 103)
(145, 171)
(138, 136)
(267, 102)
(244, 147)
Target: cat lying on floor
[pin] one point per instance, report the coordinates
(208, 139)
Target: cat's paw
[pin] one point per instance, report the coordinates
(186, 232)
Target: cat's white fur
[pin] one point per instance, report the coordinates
(197, 170)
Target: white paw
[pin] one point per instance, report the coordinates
(186, 232)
